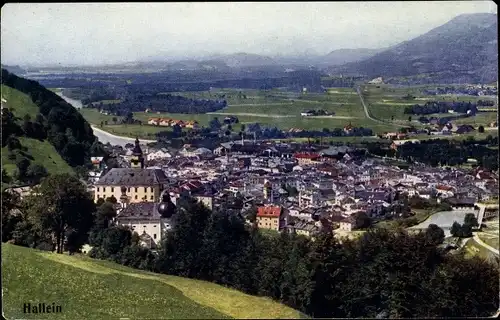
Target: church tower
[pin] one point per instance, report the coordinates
(137, 159)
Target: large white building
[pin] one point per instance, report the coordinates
(144, 218)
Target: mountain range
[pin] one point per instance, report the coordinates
(465, 48)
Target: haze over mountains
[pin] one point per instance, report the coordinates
(465, 47)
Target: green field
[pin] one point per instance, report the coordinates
(19, 103)
(271, 108)
(43, 152)
(94, 289)
(386, 102)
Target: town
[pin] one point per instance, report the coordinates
(250, 160)
(281, 187)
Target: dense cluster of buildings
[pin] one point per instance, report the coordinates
(290, 187)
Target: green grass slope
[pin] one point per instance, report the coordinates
(43, 152)
(19, 103)
(92, 289)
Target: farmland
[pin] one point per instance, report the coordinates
(282, 109)
(91, 289)
(386, 102)
(267, 107)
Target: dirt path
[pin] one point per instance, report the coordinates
(265, 115)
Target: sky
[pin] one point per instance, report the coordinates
(104, 33)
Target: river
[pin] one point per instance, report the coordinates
(444, 219)
(102, 135)
(75, 103)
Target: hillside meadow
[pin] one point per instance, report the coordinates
(95, 289)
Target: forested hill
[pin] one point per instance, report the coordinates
(47, 117)
(463, 50)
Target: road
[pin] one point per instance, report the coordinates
(115, 140)
(478, 240)
(367, 113)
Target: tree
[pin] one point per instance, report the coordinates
(181, 246)
(480, 129)
(435, 234)
(13, 143)
(10, 202)
(177, 130)
(471, 220)
(22, 165)
(28, 126)
(455, 229)
(112, 200)
(5, 177)
(362, 220)
(60, 204)
(104, 214)
(115, 239)
(465, 231)
(36, 172)
(214, 124)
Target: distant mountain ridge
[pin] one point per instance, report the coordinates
(14, 69)
(466, 47)
(343, 56)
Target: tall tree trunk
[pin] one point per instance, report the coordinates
(58, 237)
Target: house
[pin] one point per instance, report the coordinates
(378, 80)
(159, 155)
(144, 218)
(305, 228)
(165, 122)
(154, 121)
(390, 135)
(270, 217)
(347, 224)
(188, 151)
(461, 204)
(192, 124)
(306, 158)
(97, 162)
(348, 128)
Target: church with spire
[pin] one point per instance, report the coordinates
(137, 158)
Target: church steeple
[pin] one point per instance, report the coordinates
(137, 156)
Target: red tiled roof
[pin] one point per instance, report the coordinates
(270, 212)
(306, 155)
(442, 187)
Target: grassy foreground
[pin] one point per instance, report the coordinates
(94, 289)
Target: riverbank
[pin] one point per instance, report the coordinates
(105, 137)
